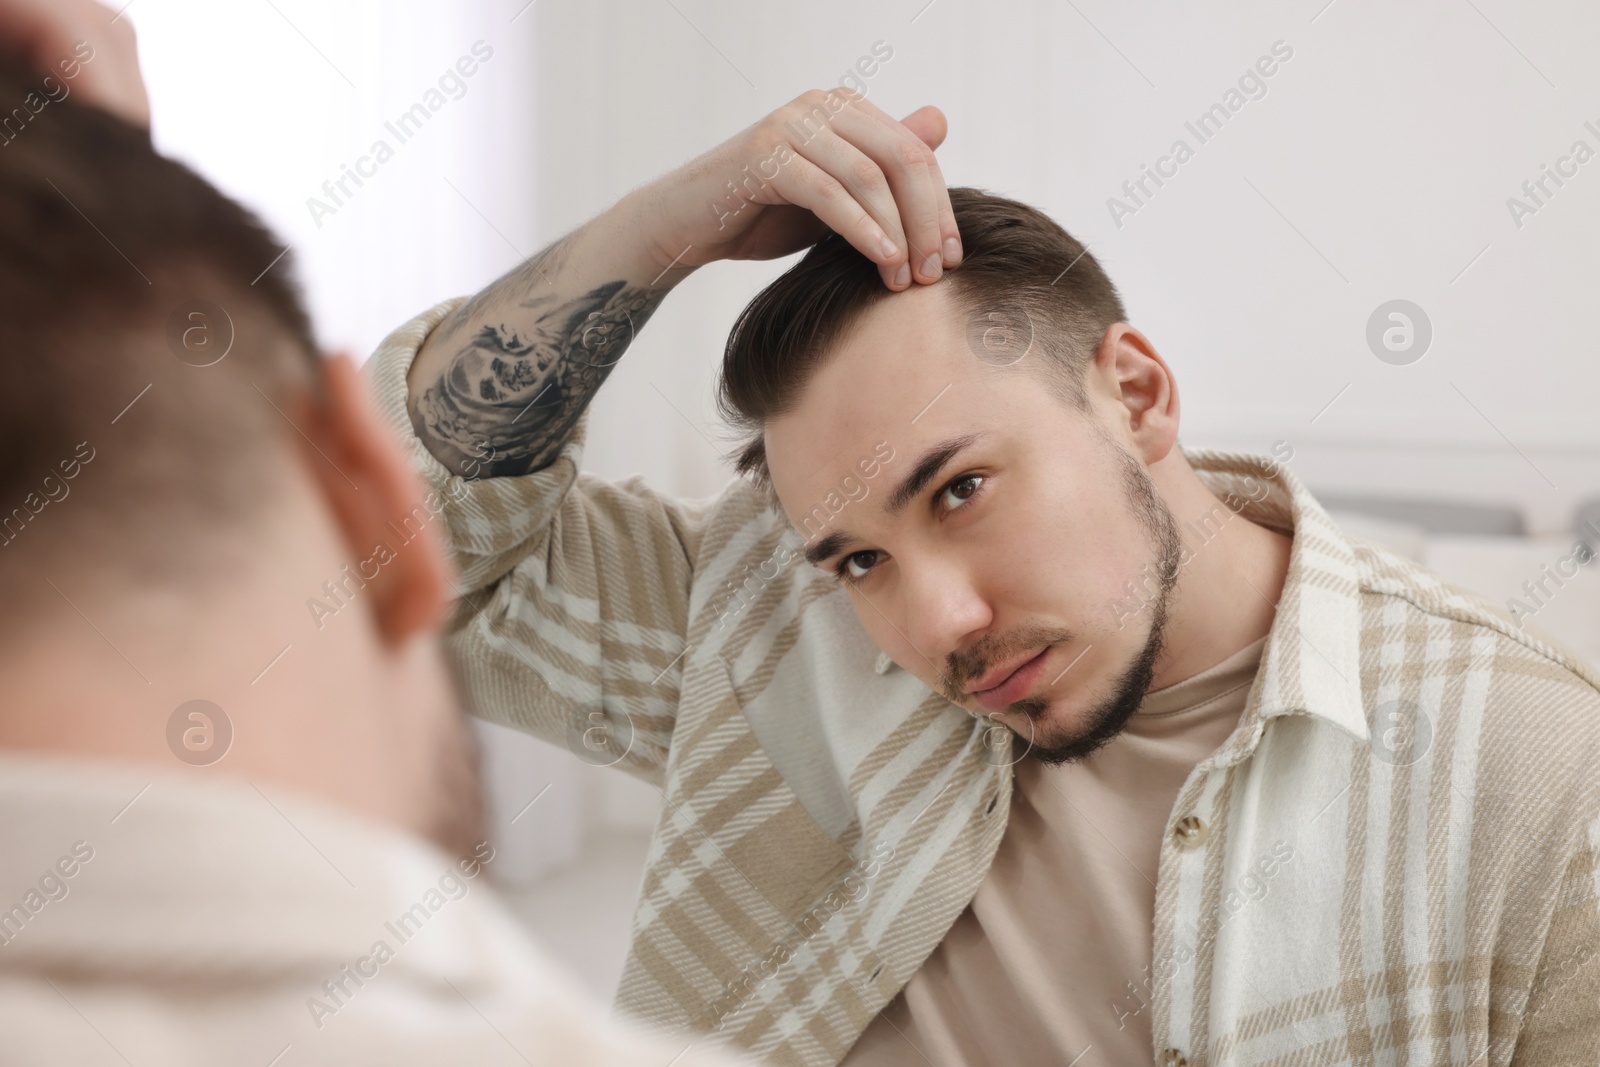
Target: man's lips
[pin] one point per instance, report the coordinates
(1000, 674)
(1014, 685)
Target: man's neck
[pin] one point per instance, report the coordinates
(323, 713)
(1227, 589)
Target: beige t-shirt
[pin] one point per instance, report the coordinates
(1050, 962)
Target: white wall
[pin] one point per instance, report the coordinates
(1377, 166)
(271, 100)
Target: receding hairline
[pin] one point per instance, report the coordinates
(1063, 376)
(1045, 282)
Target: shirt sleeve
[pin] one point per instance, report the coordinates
(574, 591)
(1561, 1025)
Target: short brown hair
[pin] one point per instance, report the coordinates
(1018, 269)
(122, 451)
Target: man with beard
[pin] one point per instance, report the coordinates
(1063, 734)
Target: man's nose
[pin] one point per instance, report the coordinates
(942, 605)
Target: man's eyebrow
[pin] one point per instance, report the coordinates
(827, 547)
(926, 469)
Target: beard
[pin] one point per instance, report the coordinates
(457, 823)
(1110, 715)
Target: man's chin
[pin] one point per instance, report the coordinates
(1034, 709)
(1041, 723)
(1059, 730)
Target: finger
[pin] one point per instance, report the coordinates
(50, 33)
(906, 163)
(804, 184)
(928, 124)
(865, 181)
(949, 232)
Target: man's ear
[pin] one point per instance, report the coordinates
(392, 533)
(1141, 388)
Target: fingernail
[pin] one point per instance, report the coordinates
(952, 251)
(887, 246)
(903, 275)
(932, 267)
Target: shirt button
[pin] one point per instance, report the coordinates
(1173, 1058)
(1190, 831)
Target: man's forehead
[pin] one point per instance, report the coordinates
(891, 383)
(839, 486)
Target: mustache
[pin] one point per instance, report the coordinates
(963, 667)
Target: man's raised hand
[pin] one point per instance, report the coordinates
(825, 161)
(513, 368)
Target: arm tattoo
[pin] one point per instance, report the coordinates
(512, 393)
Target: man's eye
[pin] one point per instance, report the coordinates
(847, 572)
(963, 489)
(975, 483)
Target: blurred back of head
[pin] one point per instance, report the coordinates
(151, 359)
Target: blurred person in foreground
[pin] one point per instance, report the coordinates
(227, 834)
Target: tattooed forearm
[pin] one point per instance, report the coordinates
(522, 371)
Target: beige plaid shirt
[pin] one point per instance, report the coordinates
(1433, 767)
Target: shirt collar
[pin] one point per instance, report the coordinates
(1311, 664)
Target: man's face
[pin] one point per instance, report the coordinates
(1024, 541)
